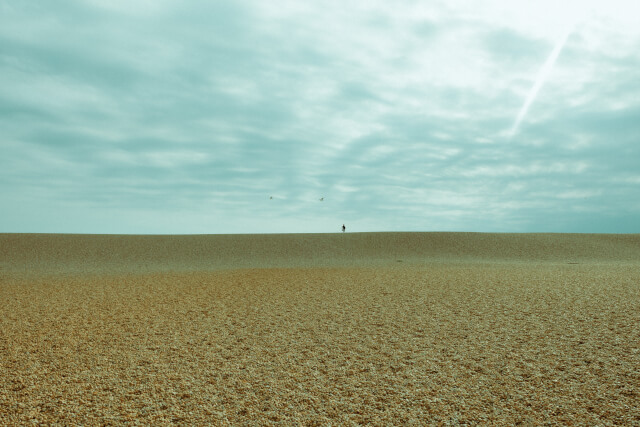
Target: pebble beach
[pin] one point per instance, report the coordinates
(320, 329)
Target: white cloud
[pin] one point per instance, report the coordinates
(396, 114)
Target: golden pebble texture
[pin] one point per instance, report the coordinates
(343, 329)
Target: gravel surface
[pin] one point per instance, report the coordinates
(386, 331)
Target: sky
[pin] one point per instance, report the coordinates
(249, 116)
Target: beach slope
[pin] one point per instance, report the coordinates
(360, 328)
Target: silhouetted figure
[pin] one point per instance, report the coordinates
(343, 228)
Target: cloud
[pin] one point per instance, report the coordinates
(159, 117)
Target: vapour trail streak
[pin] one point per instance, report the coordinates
(543, 75)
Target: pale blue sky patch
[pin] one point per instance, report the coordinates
(238, 117)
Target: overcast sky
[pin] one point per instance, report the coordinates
(240, 116)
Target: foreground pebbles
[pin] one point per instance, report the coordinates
(448, 343)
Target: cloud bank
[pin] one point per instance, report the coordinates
(191, 117)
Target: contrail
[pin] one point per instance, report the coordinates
(540, 80)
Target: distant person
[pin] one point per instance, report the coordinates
(343, 228)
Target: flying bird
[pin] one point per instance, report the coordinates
(322, 199)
